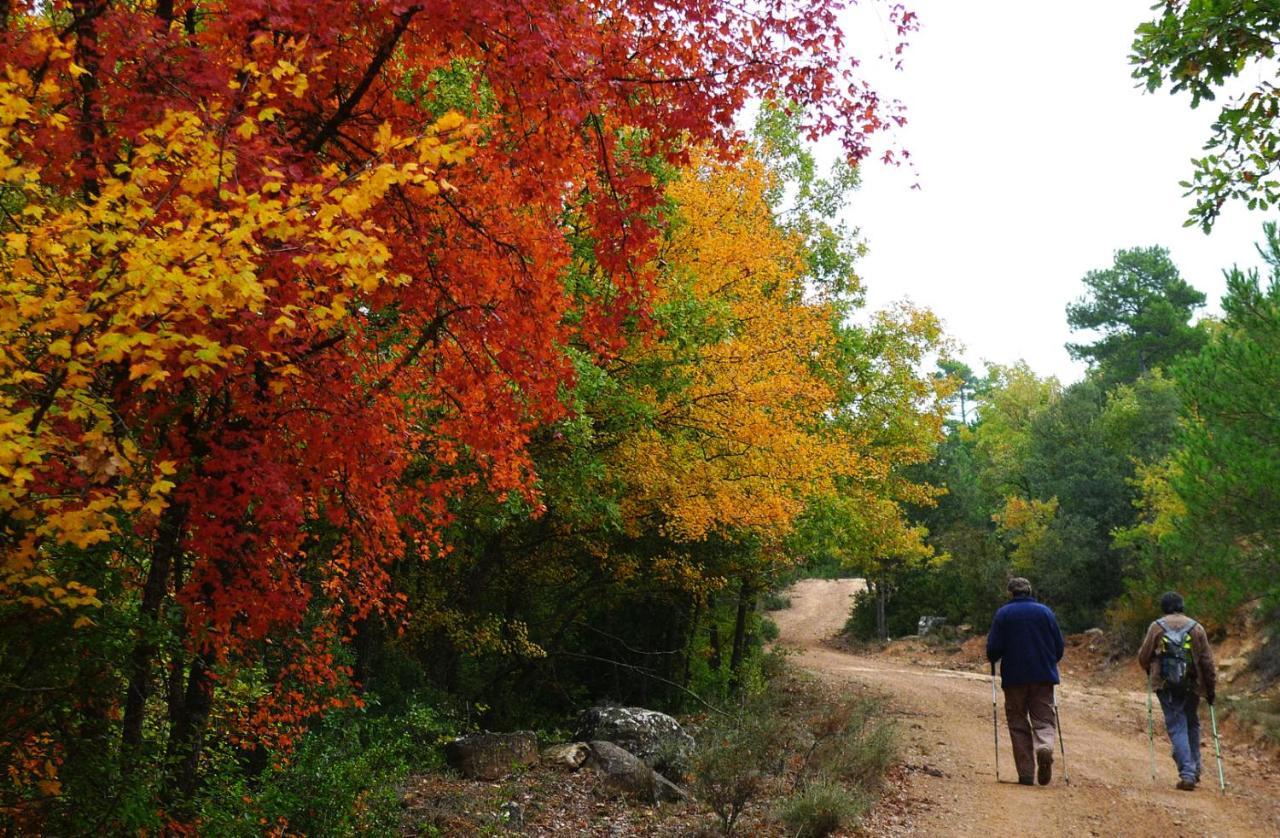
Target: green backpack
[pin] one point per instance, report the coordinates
(1177, 668)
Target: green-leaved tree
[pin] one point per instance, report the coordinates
(1141, 308)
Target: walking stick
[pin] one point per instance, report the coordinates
(995, 727)
(1151, 730)
(1066, 775)
(1217, 749)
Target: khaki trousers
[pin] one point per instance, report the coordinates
(1029, 711)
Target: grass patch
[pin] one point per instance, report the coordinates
(799, 755)
(820, 809)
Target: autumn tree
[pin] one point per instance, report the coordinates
(680, 485)
(281, 282)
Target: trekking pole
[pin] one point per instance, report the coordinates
(1057, 722)
(1217, 749)
(1151, 729)
(995, 727)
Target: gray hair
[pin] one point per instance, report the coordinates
(1019, 586)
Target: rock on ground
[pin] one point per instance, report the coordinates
(654, 737)
(491, 756)
(627, 774)
(567, 756)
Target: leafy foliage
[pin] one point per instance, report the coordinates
(1197, 46)
(1210, 511)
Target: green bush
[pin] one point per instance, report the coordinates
(793, 734)
(342, 779)
(736, 753)
(821, 808)
(774, 601)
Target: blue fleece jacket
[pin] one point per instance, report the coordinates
(1025, 638)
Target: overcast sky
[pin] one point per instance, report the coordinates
(1037, 158)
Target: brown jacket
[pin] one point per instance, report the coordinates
(1201, 653)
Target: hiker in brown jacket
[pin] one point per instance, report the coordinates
(1179, 663)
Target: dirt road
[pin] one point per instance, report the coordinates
(946, 716)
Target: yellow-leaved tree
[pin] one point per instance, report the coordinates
(739, 438)
(776, 421)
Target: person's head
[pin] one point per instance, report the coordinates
(1171, 603)
(1019, 587)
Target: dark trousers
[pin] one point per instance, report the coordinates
(1029, 710)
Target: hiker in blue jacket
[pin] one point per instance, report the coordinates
(1027, 643)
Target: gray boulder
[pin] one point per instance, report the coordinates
(668, 791)
(654, 737)
(622, 771)
(625, 773)
(491, 756)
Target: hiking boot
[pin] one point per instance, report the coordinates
(1026, 781)
(1186, 785)
(1044, 768)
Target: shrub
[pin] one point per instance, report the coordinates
(774, 601)
(854, 745)
(736, 753)
(1261, 715)
(794, 734)
(343, 779)
(727, 777)
(1266, 660)
(820, 809)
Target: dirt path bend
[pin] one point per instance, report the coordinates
(946, 716)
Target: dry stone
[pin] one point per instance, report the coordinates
(567, 756)
(627, 774)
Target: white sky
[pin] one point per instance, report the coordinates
(1037, 158)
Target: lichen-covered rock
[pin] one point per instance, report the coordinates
(491, 756)
(654, 737)
(567, 756)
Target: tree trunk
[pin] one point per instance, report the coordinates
(745, 598)
(882, 629)
(186, 739)
(690, 639)
(163, 554)
(367, 634)
(713, 640)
